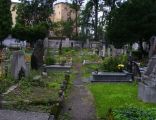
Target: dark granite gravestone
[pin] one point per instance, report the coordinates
(111, 77)
(17, 64)
(37, 55)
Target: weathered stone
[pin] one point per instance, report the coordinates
(152, 47)
(147, 93)
(58, 68)
(18, 64)
(18, 115)
(38, 77)
(151, 64)
(147, 87)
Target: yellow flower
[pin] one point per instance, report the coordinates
(120, 66)
(27, 58)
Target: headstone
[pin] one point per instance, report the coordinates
(103, 51)
(67, 42)
(37, 56)
(147, 87)
(108, 52)
(46, 43)
(87, 43)
(18, 64)
(152, 47)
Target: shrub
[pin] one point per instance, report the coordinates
(54, 85)
(50, 61)
(30, 33)
(133, 113)
(110, 64)
(137, 55)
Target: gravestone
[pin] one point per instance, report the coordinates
(37, 55)
(46, 43)
(103, 51)
(18, 65)
(108, 51)
(147, 87)
(152, 47)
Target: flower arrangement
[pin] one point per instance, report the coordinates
(120, 67)
(27, 58)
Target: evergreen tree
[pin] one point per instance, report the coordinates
(76, 4)
(31, 12)
(5, 19)
(132, 21)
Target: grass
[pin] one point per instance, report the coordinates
(114, 95)
(6, 82)
(88, 69)
(40, 91)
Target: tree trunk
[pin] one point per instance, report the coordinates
(76, 24)
(1, 44)
(96, 19)
(60, 48)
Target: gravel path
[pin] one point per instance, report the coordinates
(79, 105)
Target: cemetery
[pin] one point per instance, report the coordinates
(25, 89)
(44, 89)
(77, 60)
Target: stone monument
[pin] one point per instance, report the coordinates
(18, 65)
(152, 47)
(147, 87)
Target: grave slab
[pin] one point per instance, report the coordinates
(111, 77)
(18, 115)
(58, 67)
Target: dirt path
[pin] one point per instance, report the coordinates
(79, 105)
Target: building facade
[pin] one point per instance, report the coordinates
(62, 12)
(13, 12)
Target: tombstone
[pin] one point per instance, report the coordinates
(147, 87)
(87, 43)
(108, 51)
(46, 41)
(152, 47)
(113, 51)
(37, 55)
(45, 44)
(18, 65)
(103, 51)
(67, 42)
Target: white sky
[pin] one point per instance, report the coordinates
(55, 2)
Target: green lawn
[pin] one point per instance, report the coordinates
(114, 95)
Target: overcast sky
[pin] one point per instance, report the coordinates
(56, 1)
